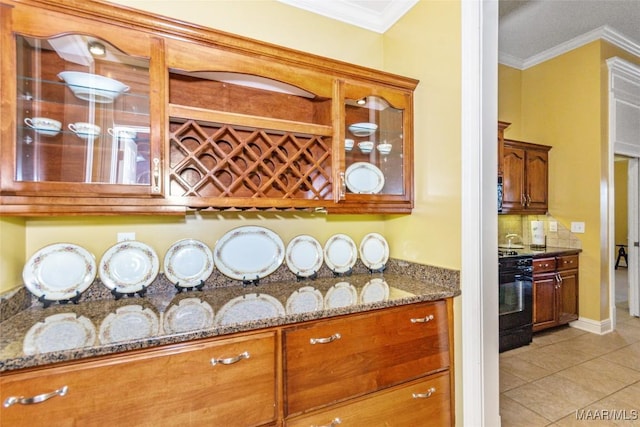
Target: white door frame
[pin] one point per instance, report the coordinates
(633, 220)
(479, 254)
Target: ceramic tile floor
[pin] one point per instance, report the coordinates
(568, 377)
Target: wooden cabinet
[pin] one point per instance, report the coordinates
(201, 120)
(555, 291)
(215, 382)
(502, 126)
(339, 360)
(525, 177)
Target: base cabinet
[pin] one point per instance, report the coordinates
(418, 403)
(555, 291)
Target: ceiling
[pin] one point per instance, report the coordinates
(530, 32)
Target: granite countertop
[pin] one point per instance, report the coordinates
(37, 335)
(548, 251)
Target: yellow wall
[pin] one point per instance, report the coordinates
(621, 214)
(12, 252)
(510, 100)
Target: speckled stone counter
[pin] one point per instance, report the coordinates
(273, 302)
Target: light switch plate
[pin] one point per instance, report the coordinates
(553, 226)
(122, 237)
(577, 227)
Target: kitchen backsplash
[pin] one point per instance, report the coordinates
(521, 225)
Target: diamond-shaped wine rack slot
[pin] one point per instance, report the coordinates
(211, 160)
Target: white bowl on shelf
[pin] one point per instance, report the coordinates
(363, 129)
(365, 146)
(93, 87)
(384, 148)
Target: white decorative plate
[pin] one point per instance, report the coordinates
(129, 267)
(363, 129)
(59, 332)
(190, 314)
(59, 271)
(304, 255)
(341, 294)
(247, 308)
(364, 178)
(304, 300)
(130, 322)
(249, 253)
(375, 290)
(188, 262)
(374, 251)
(340, 253)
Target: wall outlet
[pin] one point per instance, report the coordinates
(577, 227)
(122, 237)
(553, 226)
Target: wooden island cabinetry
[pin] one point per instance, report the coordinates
(190, 118)
(392, 366)
(555, 291)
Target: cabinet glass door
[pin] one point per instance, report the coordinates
(373, 147)
(82, 112)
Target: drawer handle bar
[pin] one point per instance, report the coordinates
(426, 319)
(230, 360)
(334, 422)
(35, 399)
(424, 395)
(327, 340)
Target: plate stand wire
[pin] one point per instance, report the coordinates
(47, 302)
(343, 274)
(378, 270)
(189, 288)
(117, 295)
(312, 276)
(254, 282)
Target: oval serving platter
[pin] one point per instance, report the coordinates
(248, 253)
(364, 178)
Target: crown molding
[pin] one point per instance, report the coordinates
(602, 33)
(355, 14)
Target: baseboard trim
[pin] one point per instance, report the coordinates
(595, 327)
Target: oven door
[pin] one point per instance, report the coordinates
(515, 301)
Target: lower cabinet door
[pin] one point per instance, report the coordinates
(219, 382)
(425, 402)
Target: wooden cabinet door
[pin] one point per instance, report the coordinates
(544, 301)
(513, 178)
(536, 169)
(177, 385)
(568, 296)
(419, 403)
(334, 360)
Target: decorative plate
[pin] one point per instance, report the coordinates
(304, 255)
(304, 300)
(129, 267)
(190, 314)
(249, 253)
(363, 129)
(375, 290)
(130, 322)
(59, 332)
(341, 294)
(340, 253)
(374, 251)
(247, 308)
(59, 271)
(188, 262)
(364, 178)
(93, 87)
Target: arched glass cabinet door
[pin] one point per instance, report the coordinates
(82, 114)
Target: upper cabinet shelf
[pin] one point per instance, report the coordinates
(107, 104)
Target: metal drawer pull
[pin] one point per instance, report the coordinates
(334, 422)
(325, 340)
(426, 319)
(230, 360)
(424, 395)
(35, 399)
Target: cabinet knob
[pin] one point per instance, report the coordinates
(424, 395)
(230, 360)
(326, 340)
(12, 400)
(425, 319)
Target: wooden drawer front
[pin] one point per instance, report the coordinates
(544, 265)
(169, 387)
(374, 351)
(392, 407)
(567, 262)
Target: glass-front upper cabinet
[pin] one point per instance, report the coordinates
(377, 148)
(79, 97)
